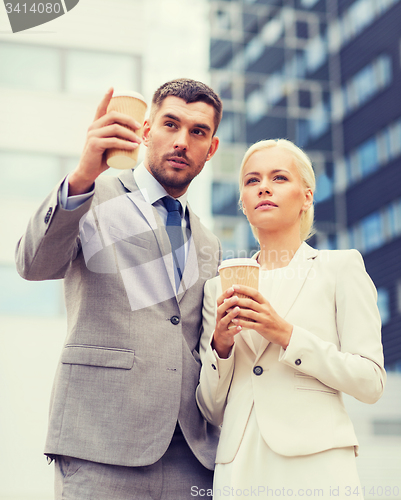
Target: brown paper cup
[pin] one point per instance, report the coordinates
(133, 104)
(239, 272)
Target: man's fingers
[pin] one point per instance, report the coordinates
(115, 130)
(102, 108)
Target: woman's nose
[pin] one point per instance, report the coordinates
(264, 189)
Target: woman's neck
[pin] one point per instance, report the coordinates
(277, 251)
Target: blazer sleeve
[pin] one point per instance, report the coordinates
(358, 367)
(51, 240)
(216, 373)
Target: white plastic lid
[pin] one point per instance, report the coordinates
(239, 262)
(128, 93)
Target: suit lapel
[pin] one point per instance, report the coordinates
(152, 217)
(292, 281)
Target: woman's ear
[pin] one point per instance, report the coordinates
(308, 200)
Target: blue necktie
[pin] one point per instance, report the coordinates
(175, 234)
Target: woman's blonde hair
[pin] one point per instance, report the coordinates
(304, 166)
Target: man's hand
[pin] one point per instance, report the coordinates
(108, 130)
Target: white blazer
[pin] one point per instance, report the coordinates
(297, 393)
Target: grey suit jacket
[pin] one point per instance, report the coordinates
(130, 364)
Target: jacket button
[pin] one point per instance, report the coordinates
(258, 370)
(214, 367)
(175, 320)
(298, 362)
(47, 217)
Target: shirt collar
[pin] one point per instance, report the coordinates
(151, 189)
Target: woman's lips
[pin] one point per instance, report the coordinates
(265, 205)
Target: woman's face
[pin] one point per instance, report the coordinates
(273, 193)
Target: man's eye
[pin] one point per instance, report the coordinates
(198, 132)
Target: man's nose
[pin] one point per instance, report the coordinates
(181, 140)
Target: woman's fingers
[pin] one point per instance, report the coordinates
(249, 292)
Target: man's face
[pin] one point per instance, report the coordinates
(179, 141)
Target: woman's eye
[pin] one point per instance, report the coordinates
(251, 181)
(281, 178)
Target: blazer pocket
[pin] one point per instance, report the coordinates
(119, 235)
(89, 355)
(308, 383)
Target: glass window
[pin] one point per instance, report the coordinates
(28, 176)
(88, 71)
(324, 188)
(308, 3)
(223, 19)
(29, 67)
(366, 83)
(255, 106)
(319, 120)
(302, 132)
(367, 155)
(384, 146)
(394, 218)
(28, 298)
(274, 88)
(395, 138)
(226, 128)
(372, 232)
(272, 31)
(316, 53)
(383, 303)
(225, 198)
(253, 51)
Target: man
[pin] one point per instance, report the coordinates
(123, 419)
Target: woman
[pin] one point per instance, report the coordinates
(275, 379)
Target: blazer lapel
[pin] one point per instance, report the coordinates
(292, 281)
(152, 217)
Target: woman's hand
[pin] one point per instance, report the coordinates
(265, 319)
(227, 310)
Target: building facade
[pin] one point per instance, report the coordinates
(326, 75)
(51, 81)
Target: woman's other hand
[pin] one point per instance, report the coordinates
(258, 314)
(227, 311)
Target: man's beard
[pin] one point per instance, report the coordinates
(168, 178)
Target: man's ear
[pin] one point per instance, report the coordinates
(213, 147)
(146, 131)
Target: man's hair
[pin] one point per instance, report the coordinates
(190, 91)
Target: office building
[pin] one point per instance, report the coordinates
(325, 74)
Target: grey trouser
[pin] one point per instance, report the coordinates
(178, 475)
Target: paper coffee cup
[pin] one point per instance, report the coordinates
(133, 104)
(239, 272)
